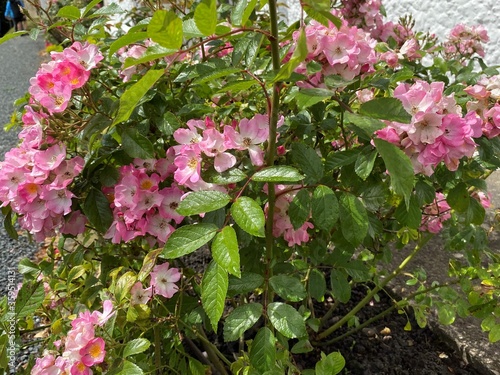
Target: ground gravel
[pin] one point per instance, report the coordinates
(20, 58)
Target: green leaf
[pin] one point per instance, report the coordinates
(188, 238)
(152, 53)
(148, 264)
(10, 36)
(324, 208)
(249, 216)
(240, 319)
(202, 201)
(231, 176)
(286, 320)
(308, 161)
(124, 284)
(341, 289)
(236, 86)
(425, 192)
(263, 351)
(90, 6)
(446, 314)
(216, 74)
(399, 167)
(69, 11)
(237, 12)
(287, 287)
(165, 28)
(300, 208)
(225, 251)
(108, 10)
(247, 283)
(246, 50)
(363, 126)
(331, 364)
(190, 29)
(134, 94)
(385, 109)
(353, 219)
(96, 208)
(278, 174)
(317, 285)
(137, 145)
(410, 216)
(27, 267)
(339, 159)
(494, 334)
(136, 346)
(299, 54)
(308, 97)
(475, 212)
(365, 162)
(125, 40)
(205, 17)
(320, 10)
(129, 368)
(213, 292)
(458, 198)
(29, 298)
(196, 367)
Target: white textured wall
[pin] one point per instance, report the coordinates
(439, 17)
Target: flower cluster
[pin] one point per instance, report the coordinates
(437, 131)
(435, 214)
(34, 180)
(163, 279)
(55, 81)
(486, 91)
(82, 349)
(348, 52)
(204, 144)
(141, 207)
(465, 41)
(282, 225)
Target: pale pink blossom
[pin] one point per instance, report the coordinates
(163, 280)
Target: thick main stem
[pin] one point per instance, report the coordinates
(374, 291)
(271, 148)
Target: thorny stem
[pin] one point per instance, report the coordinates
(271, 151)
(371, 294)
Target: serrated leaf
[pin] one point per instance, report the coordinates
(247, 283)
(287, 287)
(246, 50)
(225, 251)
(341, 289)
(249, 216)
(129, 368)
(27, 267)
(320, 10)
(231, 176)
(286, 320)
(134, 94)
(216, 74)
(111, 9)
(188, 238)
(240, 319)
(263, 351)
(475, 212)
(446, 314)
(300, 208)
(316, 285)
(137, 145)
(165, 28)
(241, 12)
(299, 54)
(213, 292)
(202, 201)
(341, 158)
(97, 210)
(425, 192)
(152, 53)
(306, 98)
(278, 174)
(390, 109)
(148, 264)
(399, 167)
(205, 17)
(331, 364)
(364, 126)
(69, 11)
(29, 298)
(125, 40)
(410, 216)
(458, 197)
(124, 284)
(324, 208)
(353, 219)
(190, 30)
(365, 162)
(308, 161)
(236, 86)
(136, 346)
(494, 334)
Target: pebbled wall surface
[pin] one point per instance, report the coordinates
(439, 17)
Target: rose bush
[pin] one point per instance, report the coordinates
(210, 177)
